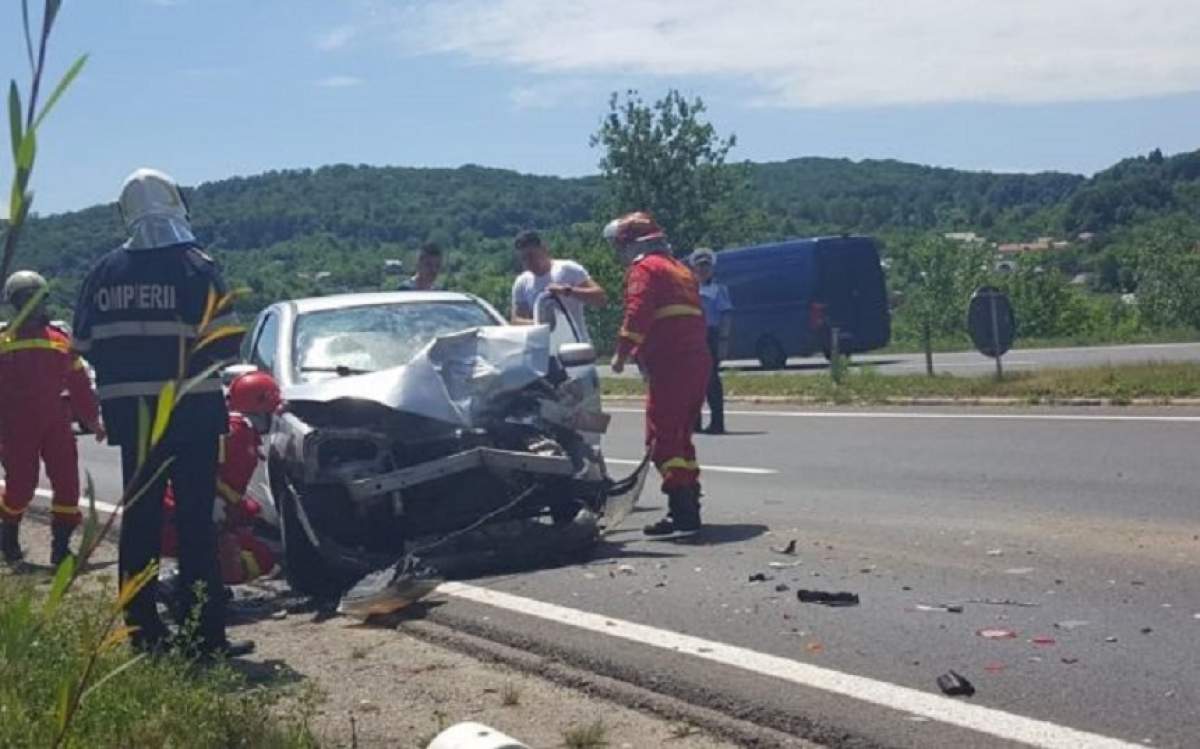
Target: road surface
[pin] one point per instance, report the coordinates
(973, 363)
(1077, 530)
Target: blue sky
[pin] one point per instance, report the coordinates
(207, 89)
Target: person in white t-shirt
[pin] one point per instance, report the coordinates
(566, 279)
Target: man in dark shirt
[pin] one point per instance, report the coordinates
(429, 265)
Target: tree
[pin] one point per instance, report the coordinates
(936, 277)
(665, 158)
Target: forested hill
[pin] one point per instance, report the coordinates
(278, 230)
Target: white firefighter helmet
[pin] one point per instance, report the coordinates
(21, 285)
(154, 211)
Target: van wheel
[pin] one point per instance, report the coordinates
(771, 354)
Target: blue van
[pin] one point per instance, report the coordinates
(789, 297)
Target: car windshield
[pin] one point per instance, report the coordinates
(356, 340)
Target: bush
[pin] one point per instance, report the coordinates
(165, 701)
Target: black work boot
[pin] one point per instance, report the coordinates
(683, 513)
(687, 513)
(666, 526)
(10, 542)
(60, 545)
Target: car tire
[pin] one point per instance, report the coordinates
(771, 354)
(306, 572)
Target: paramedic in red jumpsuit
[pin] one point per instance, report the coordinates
(242, 556)
(36, 366)
(664, 331)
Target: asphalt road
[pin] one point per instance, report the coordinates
(1089, 516)
(974, 363)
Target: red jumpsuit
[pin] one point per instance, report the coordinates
(664, 331)
(35, 424)
(242, 556)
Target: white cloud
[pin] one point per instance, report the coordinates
(547, 94)
(820, 53)
(335, 38)
(339, 81)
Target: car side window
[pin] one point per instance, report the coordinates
(263, 355)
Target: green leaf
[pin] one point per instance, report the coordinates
(111, 674)
(52, 7)
(143, 435)
(26, 151)
(14, 116)
(91, 524)
(162, 415)
(59, 586)
(28, 38)
(63, 703)
(66, 81)
(28, 309)
(15, 204)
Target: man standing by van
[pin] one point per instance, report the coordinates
(429, 265)
(565, 279)
(714, 298)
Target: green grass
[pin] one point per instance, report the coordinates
(864, 384)
(151, 702)
(592, 736)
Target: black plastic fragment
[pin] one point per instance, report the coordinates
(825, 598)
(955, 684)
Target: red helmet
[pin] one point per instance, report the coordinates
(639, 226)
(255, 393)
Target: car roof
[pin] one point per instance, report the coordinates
(367, 299)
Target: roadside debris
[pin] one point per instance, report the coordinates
(1018, 570)
(997, 633)
(389, 590)
(815, 647)
(1070, 661)
(826, 598)
(783, 565)
(955, 684)
(626, 569)
(790, 549)
(1003, 602)
(1071, 624)
(1110, 639)
(1147, 630)
(993, 667)
(995, 552)
(759, 577)
(947, 608)
(782, 588)
(1043, 640)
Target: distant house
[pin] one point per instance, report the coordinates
(1041, 245)
(393, 266)
(965, 236)
(1085, 236)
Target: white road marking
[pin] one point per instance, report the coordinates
(985, 720)
(950, 416)
(703, 467)
(1037, 733)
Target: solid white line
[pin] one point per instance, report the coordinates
(704, 467)
(984, 720)
(937, 415)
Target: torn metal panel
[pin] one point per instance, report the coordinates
(453, 379)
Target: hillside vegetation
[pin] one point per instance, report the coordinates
(304, 232)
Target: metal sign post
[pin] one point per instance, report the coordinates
(992, 324)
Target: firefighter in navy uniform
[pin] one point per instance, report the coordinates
(140, 305)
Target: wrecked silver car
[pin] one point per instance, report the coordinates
(418, 421)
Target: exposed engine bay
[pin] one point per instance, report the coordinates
(484, 443)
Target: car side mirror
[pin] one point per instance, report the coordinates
(577, 354)
(234, 371)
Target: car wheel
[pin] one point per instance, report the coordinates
(771, 354)
(306, 572)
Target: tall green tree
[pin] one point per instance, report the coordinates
(936, 276)
(666, 158)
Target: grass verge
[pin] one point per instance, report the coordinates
(164, 701)
(1120, 383)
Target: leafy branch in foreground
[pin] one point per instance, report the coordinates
(23, 134)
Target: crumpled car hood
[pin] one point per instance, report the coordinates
(452, 379)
